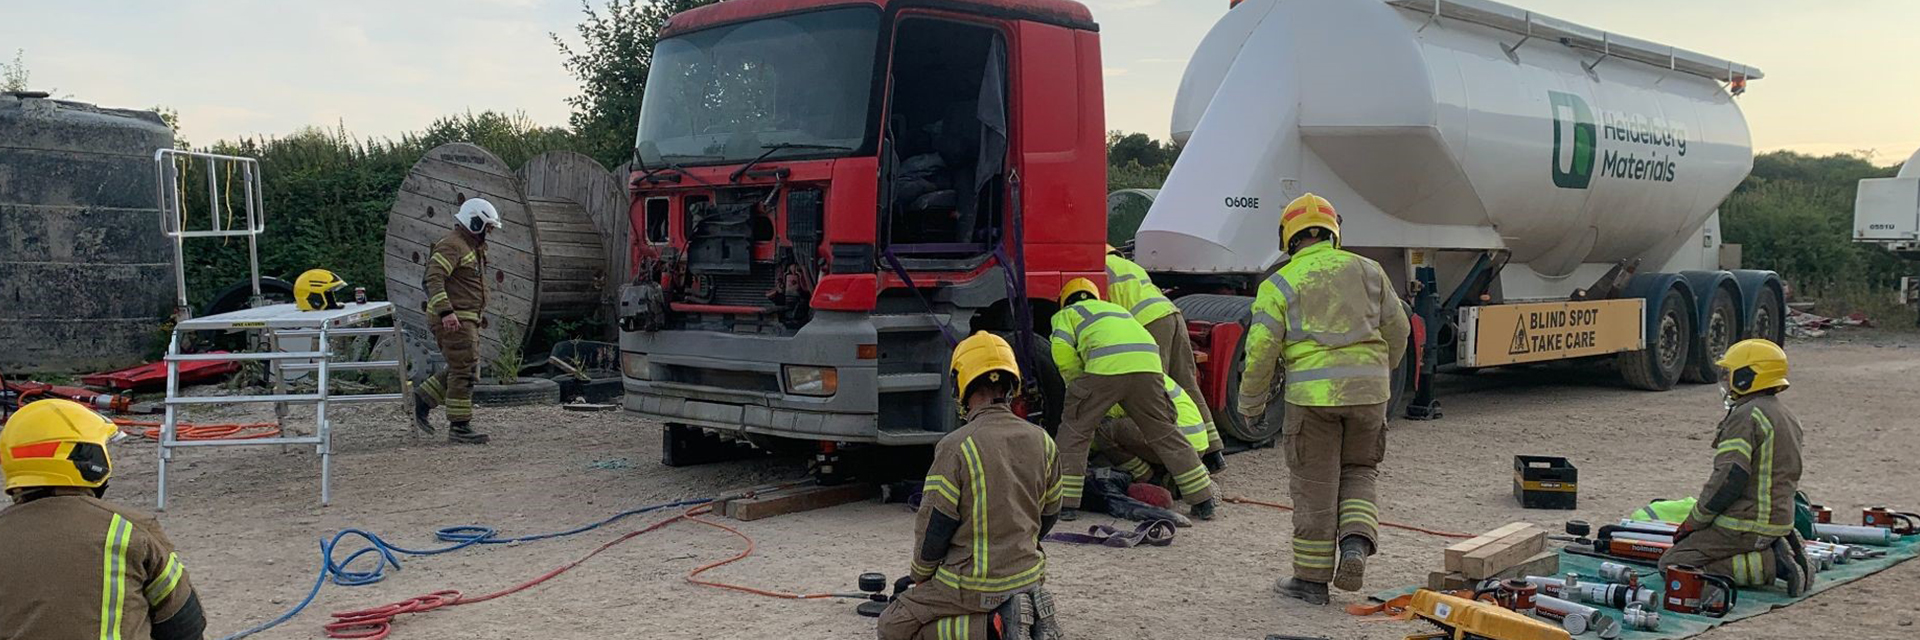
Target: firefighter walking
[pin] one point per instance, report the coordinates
(456, 299)
(1129, 286)
(993, 491)
(1108, 359)
(77, 566)
(1332, 320)
(1742, 524)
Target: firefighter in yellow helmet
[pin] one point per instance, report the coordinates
(1108, 359)
(993, 491)
(456, 289)
(318, 289)
(1331, 320)
(1129, 286)
(77, 566)
(1742, 522)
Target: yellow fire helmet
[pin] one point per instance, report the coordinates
(314, 290)
(983, 354)
(1075, 287)
(1306, 212)
(1112, 250)
(1754, 365)
(56, 443)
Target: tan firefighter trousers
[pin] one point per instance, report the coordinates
(1333, 454)
(1176, 357)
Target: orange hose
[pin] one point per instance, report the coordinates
(191, 431)
(1383, 523)
(693, 515)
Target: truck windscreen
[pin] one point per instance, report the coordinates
(727, 94)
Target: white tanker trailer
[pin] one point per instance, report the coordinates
(1541, 190)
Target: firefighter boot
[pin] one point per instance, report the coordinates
(1352, 570)
(1308, 592)
(1789, 569)
(1045, 626)
(1204, 510)
(1216, 462)
(422, 415)
(1013, 619)
(1069, 515)
(463, 433)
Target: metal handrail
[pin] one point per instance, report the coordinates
(173, 215)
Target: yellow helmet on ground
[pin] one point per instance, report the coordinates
(1307, 212)
(1075, 287)
(1754, 365)
(984, 354)
(56, 443)
(314, 290)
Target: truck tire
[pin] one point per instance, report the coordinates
(1218, 309)
(1658, 367)
(1768, 318)
(1719, 330)
(526, 391)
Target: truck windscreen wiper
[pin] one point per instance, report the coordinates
(770, 148)
(668, 165)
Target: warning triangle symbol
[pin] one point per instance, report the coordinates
(1520, 344)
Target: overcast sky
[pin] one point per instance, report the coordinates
(233, 67)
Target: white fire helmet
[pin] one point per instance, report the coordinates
(477, 215)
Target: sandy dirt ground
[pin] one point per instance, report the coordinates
(247, 520)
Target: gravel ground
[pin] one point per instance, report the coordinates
(247, 519)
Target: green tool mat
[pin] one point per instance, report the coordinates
(1753, 602)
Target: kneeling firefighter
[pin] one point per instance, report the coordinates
(1742, 524)
(993, 491)
(76, 566)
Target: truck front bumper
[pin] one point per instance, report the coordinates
(736, 382)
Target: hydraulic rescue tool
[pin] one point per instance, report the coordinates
(1693, 590)
(1577, 618)
(1902, 523)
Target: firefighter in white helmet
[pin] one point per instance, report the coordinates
(456, 305)
(993, 491)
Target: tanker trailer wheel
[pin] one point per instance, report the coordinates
(1658, 367)
(1217, 309)
(1722, 328)
(1769, 319)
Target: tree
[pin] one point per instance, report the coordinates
(13, 77)
(615, 55)
(1137, 148)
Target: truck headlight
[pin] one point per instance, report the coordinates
(811, 381)
(635, 366)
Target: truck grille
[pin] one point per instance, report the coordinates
(744, 290)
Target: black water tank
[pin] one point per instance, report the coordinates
(85, 274)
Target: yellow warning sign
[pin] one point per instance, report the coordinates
(1537, 332)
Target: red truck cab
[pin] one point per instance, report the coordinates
(827, 192)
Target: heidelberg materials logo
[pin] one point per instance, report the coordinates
(1573, 141)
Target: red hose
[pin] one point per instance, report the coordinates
(1383, 523)
(192, 431)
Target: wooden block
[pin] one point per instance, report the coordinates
(1501, 554)
(1454, 554)
(1545, 563)
(1446, 580)
(795, 500)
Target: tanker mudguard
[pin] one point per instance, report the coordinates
(1704, 282)
(1648, 286)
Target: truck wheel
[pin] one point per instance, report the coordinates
(1218, 309)
(1768, 320)
(1722, 328)
(1658, 367)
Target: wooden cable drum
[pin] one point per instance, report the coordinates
(581, 210)
(423, 213)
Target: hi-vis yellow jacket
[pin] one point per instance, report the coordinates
(1129, 287)
(1332, 318)
(1098, 337)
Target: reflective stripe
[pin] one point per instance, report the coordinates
(1264, 319)
(164, 584)
(442, 261)
(1087, 318)
(1736, 445)
(977, 479)
(467, 315)
(437, 299)
(1312, 545)
(1328, 339)
(1070, 486)
(1137, 468)
(1117, 279)
(1358, 505)
(1740, 568)
(467, 260)
(1764, 514)
(1174, 392)
(1101, 352)
(1731, 523)
(939, 485)
(1063, 336)
(1023, 578)
(1143, 304)
(113, 576)
(1192, 429)
(1193, 480)
(1336, 373)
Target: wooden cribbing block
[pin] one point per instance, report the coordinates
(1545, 563)
(1492, 558)
(1458, 552)
(795, 500)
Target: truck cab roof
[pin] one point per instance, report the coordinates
(1066, 13)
